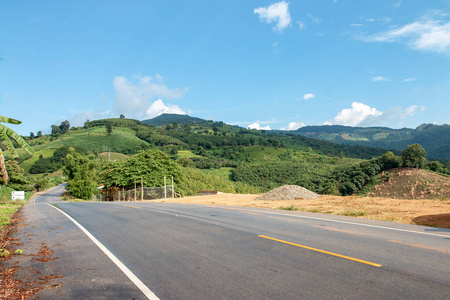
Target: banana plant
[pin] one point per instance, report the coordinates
(6, 134)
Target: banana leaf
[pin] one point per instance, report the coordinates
(9, 120)
(6, 133)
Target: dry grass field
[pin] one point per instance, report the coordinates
(421, 212)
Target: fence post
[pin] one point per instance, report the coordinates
(165, 187)
(142, 189)
(173, 189)
(135, 189)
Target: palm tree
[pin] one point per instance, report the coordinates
(6, 135)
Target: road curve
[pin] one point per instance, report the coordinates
(182, 251)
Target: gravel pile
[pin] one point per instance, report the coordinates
(288, 192)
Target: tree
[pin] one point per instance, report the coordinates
(187, 128)
(436, 166)
(39, 134)
(414, 156)
(109, 128)
(122, 116)
(31, 135)
(81, 172)
(389, 161)
(42, 183)
(6, 135)
(55, 130)
(149, 165)
(65, 126)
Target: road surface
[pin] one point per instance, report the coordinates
(182, 251)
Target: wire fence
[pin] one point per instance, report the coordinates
(146, 193)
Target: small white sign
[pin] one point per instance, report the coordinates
(20, 195)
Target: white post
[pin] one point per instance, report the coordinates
(173, 189)
(165, 188)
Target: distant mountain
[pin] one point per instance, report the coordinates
(166, 119)
(434, 138)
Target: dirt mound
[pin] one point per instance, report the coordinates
(288, 192)
(410, 183)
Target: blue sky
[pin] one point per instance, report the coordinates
(264, 64)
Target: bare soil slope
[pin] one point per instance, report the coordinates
(410, 183)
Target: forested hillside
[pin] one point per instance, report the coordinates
(434, 138)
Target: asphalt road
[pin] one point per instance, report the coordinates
(182, 251)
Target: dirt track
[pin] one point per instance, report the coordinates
(420, 212)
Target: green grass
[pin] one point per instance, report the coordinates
(6, 211)
(292, 207)
(93, 139)
(260, 153)
(26, 165)
(222, 172)
(8, 207)
(353, 213)
(186, 153)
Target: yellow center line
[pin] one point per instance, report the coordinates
(132, 206)
(323, 251)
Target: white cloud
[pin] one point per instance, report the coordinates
(409, 79)
(257, 126)
(315, 20)
(134, 99)
(79, 118)
(308, 96)
(355, 115)
(363, 115)
(301, 25)
(327, 123)
(424, 35)
(158, 108)
(379, 78)
(276, 13)
(295, 125)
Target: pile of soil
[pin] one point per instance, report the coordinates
(410, 183)
(288, 192)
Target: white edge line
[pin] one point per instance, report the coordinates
(331, 220)
(352, 223)
(144, 289)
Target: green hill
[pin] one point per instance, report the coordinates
(92, 140)
(166, 119)
(435, 139)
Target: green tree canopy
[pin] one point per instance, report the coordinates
(65, 126)
(389, 161)
(149, 165)
(414, 156)
(81, 172)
